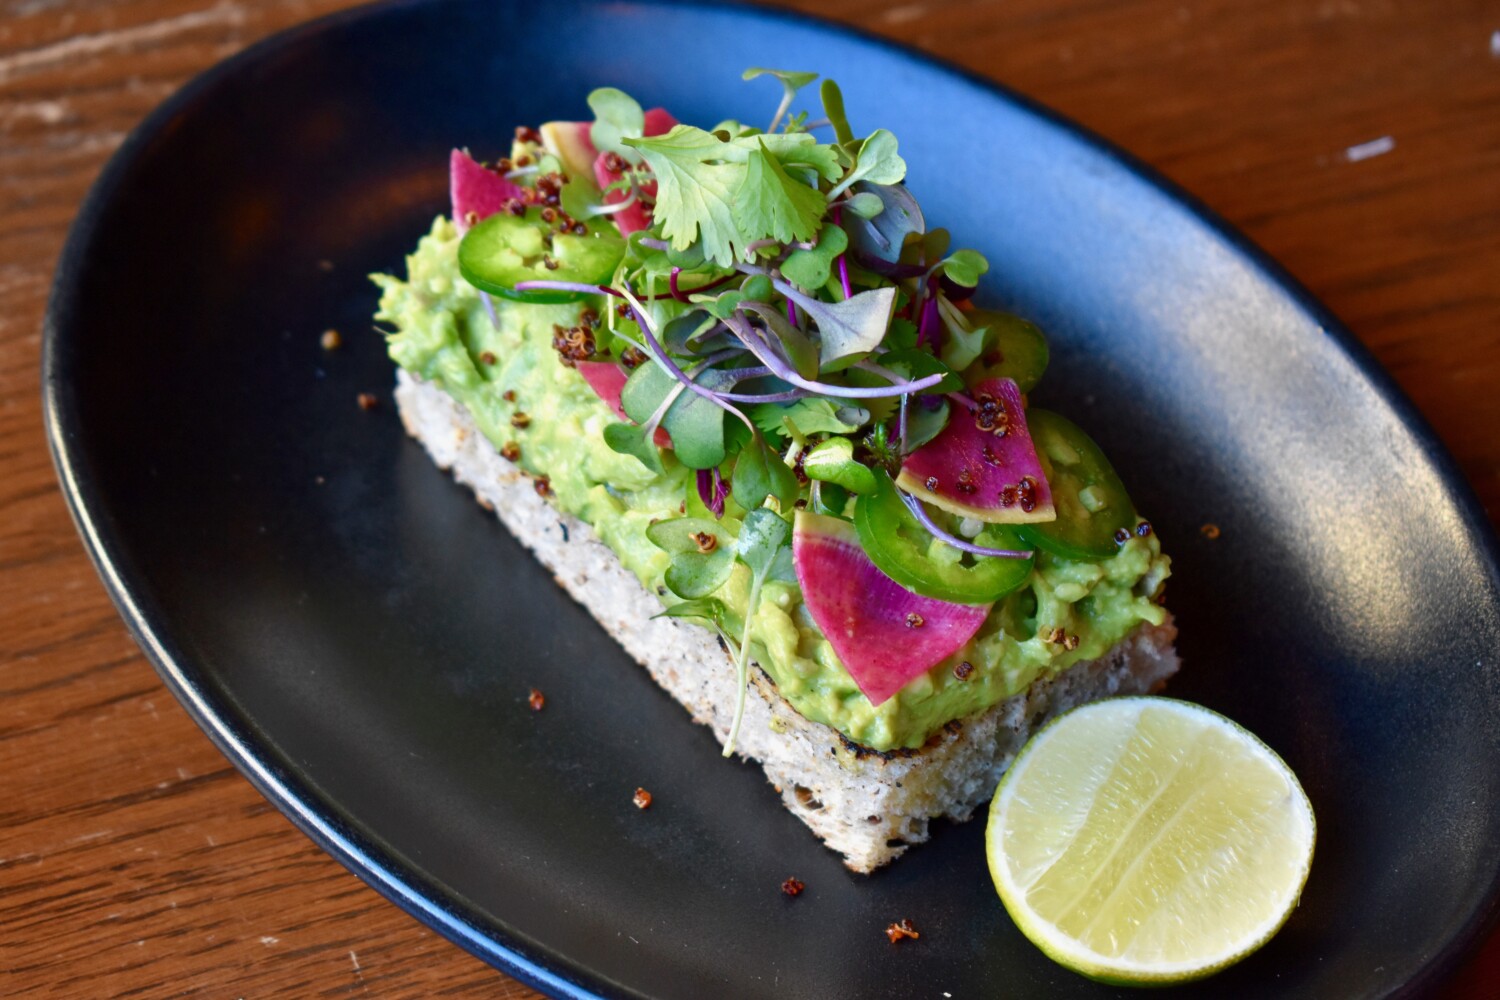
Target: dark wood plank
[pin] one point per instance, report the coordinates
(134, 862)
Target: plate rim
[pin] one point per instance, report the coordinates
(403, 884)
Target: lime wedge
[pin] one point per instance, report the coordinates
(1148, 841)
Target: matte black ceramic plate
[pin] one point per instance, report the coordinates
(359, 636)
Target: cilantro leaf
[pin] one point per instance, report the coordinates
(806, 417)
(823, 416)
(617, 116)
(701, 178)
(770, 203)
(696, 186)
(800, 150)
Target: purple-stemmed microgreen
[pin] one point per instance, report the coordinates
(919, 510)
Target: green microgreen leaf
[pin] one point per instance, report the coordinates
(759, 472)
(832, 461)
(763, 534)
(617, 117)
(883, 453)
(829, 498)
(811, 269)
(922, 424)
(701, 554)
(710, 610)
(833, 110)
(964, 267)
(681, 329)
(963, 344)
(877, 162)
(763, 547)
(791, 82)
(771, 203)
(865, 204)
(695, 424)
(632, 439)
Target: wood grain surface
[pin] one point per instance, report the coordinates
(1356, 140)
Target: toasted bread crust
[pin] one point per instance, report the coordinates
(869, 806)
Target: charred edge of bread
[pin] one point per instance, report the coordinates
(867, 805)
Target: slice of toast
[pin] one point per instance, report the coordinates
(868, 805)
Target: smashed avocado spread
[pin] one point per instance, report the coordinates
(504, 363)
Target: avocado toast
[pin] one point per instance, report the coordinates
(727, 384)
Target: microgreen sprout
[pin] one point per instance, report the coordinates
(919, 510)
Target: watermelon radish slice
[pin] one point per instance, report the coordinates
(884, 634)
(476, 189)
(983, 464)
(607, 379)
(570, 143)
(637, 217)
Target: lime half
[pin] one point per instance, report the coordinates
(1147, 841)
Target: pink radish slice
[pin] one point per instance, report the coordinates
(885, 635)
(983, 464)
(637, 217)
(476, 189)
(608, 380)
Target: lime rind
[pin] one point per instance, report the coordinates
(1121, 717)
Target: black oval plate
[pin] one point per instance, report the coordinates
(359, 637)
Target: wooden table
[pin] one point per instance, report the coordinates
(1356, 140)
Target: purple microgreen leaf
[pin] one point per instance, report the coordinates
(751, 337)
(856, 325)
(880, 238)
(794, 345)
(712, 490)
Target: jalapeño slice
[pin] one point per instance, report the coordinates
(1018, 351)
(906, 552)
(504, 250)
(1091, 502)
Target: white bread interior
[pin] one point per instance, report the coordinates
(868, 806)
